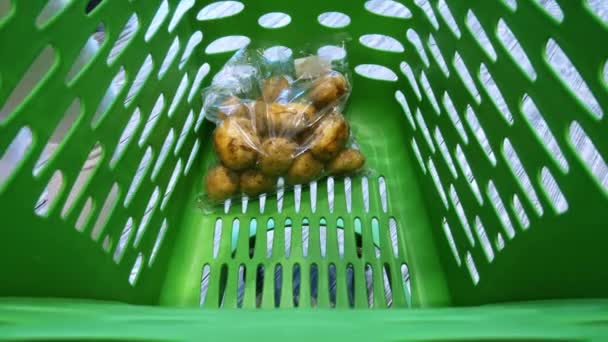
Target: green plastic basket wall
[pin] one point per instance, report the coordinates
(484, 121)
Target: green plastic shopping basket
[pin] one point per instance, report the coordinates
(484, 121)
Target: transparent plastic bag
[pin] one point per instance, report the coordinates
(278, 119)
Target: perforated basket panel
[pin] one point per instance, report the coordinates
(482, 121)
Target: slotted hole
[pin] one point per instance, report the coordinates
(585, 149)
(169, 58)
(234, 240)
(521, 176)
(140, 79)
(106, 210)
(29, 84)
(537, 122)
(305, 236)
(88, 169)
(296, 282)
(365, 193)
(445, 153)
(428, 11)
(599, 9)
(381, 42)
(470, 263)
(270, 227)
(376, 72)
(483, 238)
(297, 191)
(140, 173)
(220, 9)
(468, 173)
(323, 237)
(425, 130)
(499, 242)
(277, 54)
(388, 8)
(106, 244)
(217, 237)
(49, 196)
(405, 278)
(515, 50)
(480, 35)
(52, 9)
(406, 108)
(184, 134)
(487, 82)
(414, 38)
(376, 236)
(148, 213)
(446, 14)
(358, 237)
(369, 285)
(334, 19)
(179, 94)
(223, 282)
(428, 91)
(288, 238)
(244, 202)
(520, 212)
(61, 134)
(480, 134)
(409, 74)
(500, 209)
(388, 284)
(182, 8)
(511, 4)
(158, 242)
(465, 77)
(86, 54)
(164, 153)
(392, 225)
(462, 217)
(553, 192)
(124, 38)
(171, 185)
(313, 196)
(85, 215)
(418, 155)
(253, 228)
(552, 8)
(332, 285)
(240, 290)
(274, 20)
(350, 285)
(202, 72)
(340, 237)
(330, 53)
(437, 182)
(124, 240)
(330, 193)
(348, 194)
(259, 286)
(227, 44)
(314, 284)
(190, 161)
(383, 193)
(436, 53)
(157, 21)
(205, 284)
(115, 87)
(454, 117)
(566, 71)
(126, 137)
(450, 238)
(136, 270)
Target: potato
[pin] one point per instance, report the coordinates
(348, 161)
(235, 143)
(273, 86)
(327, 89)
(233, 107)
(260, 118)
(329, 137)
(254, 182)
(221, 183)
(305, 168)
(289, 119)
(276, 156)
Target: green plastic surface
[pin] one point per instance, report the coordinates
(557, 253)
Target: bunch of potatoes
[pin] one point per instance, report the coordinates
(259, 141)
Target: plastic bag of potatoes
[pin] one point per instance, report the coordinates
(278, 119)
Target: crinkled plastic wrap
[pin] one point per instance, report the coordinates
(278, 119)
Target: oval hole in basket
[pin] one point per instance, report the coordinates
(220, 9)
(227, 44)
(277, 53)
(381, 42)
(331, 52)
(376, 72)
(274, 20)
(388, 8)
(334, 19)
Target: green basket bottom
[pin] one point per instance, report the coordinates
(39, 319)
